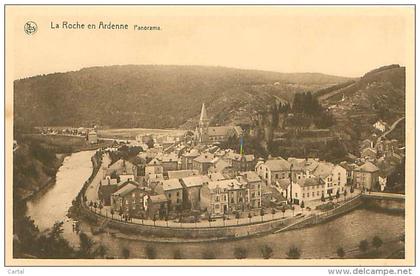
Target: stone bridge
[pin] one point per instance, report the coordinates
(390, 201)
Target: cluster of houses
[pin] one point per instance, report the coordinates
(178, 177)
(89, 133)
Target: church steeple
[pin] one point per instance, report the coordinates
(203, 115)
(203, 125)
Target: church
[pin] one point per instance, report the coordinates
(206, 134)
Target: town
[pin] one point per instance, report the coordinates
(190, 178)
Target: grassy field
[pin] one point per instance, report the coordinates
(66, 144)
(131, 133)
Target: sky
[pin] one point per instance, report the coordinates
(338, 41)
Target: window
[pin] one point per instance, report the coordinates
(177, 193)
(296, 195)
(317, 193)
(313, 194)
(307, 194)
(169, 195)
(303, 195)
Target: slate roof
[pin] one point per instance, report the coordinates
(323, 169)
(278, 164)
(158, 198)
(181, 173)
(194, 181)
(305, 182)
(368, 167)
(171, 184)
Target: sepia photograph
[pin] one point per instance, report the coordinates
(209, 135)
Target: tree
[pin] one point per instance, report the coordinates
(90, 205)
(262, 214)
(273, 212)
(249, 217)
(302, 205)
(95, 205)
(240, 253)
(345, 194)
(340, 252)
(150, 252)
(377, 242)
(266, 252)
(224, 220)
(100, 251)
(330, 198)
(126, 253)
(293, 210)
(322, 197)
(177, 254)
(209, 219)
(207, 254)
(351, 189)
(166, 219)
(337, 195)
(154, 220)
(100, 206)
(283, 210)
(121, 213)
(363, 245)
(237, 216)
(112, 213)
(293, 253)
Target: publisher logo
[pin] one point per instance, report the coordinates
(30, 28)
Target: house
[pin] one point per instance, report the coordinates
(349, 167)
(273, 170)
(105, 192)
(158, 206)
(367, 143)
(203, 162)
(221, 166)
(311, 188)
(366, 176)
(131, 199)
(216, 176)
(154, 179)
(306, 189)
(380, 125)
(181, 173)
(369, 153)
(334, 177)
(169, 162)
(173, 191)
(237, 195)
(273, 196)
(215, 197)
(192, 190)
(302, 167)
(206, 134)
(244, 162)
(253, 185)
(154, 167)
(92, 137)
(126, 177)
(122, 167)
(187, 159)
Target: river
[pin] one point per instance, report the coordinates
(52, 205)
(320, 241)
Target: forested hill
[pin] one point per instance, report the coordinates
(154, 96)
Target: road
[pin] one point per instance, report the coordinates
(391, 128)
(92, 190)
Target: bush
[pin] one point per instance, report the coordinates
(293, 253)
(340, 252)
(363, 245)
(377, 242)
(150, 252)
(208, 255)
(126, 253)
(177, 254)
(266, 252)
(240, 253)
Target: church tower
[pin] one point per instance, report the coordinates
(203, 125)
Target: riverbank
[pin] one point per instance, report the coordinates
(50, 182)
